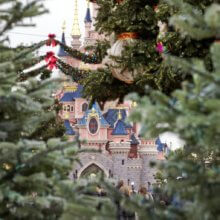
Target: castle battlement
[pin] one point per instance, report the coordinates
(147, 149)
(122, 147)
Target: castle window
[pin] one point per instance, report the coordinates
(76, 173)
(93, 126)
(68, 108)
(84, 107)
(122, 162)
(128, 182)
(71, 108)
(64, 108)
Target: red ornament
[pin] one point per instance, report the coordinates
(160, 48)
(52, 63)
(51, 41)
(128, 35)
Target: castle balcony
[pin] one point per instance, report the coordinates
(147, 141)
(147, 149)
(98, 145)
(123, 147)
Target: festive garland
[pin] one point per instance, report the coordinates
(25, 75)
(86, 58)
(76, 73)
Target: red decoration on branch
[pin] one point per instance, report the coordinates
(52, 63)
(128, 35)
(51, 60)
(51, 41)
(48, 56)
(160, 48)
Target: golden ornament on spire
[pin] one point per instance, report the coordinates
(64, 26)
(75, 29)
(93, 113)
(88, 3)
(119, 114)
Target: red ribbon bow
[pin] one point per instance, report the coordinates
(51, 60)
(51, 41)
(52, 63)
(48, 56)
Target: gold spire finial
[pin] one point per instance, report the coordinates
(75, 29)
(119, 114)
(93, 113)
(88, 3)
(93, 110)
(64, 26)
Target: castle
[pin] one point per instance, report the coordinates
(124, 155)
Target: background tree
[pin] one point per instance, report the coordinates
(33, 172)
(192, 173)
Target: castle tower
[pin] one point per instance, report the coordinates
(61, 52)
(119, 153)
(75, 29)
(88, 24)
(147, 152)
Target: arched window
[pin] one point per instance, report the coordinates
(84, 107)
(71, 108)
(93, 126)
(68, 108)
(64, 108)
(92, 170)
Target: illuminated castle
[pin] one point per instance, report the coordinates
(124, 155)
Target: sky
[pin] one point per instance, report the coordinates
(60, 11)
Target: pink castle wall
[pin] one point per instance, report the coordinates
(100, 135)
(120, 138)
(78, 107)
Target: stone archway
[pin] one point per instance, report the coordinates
(92, 169)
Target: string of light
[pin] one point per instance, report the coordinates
(34, 35)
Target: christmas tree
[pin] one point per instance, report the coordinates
(138, 35)
(33, 172)
(191, 173)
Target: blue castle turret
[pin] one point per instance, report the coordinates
(61, 52)
(88, 16)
